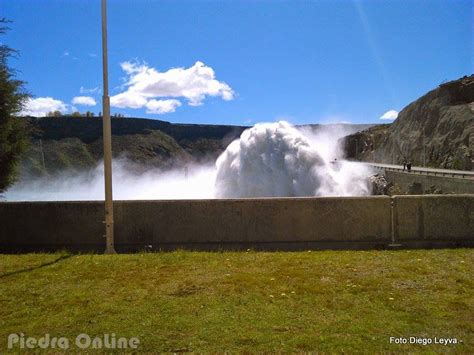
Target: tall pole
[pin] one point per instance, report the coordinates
(107, 137)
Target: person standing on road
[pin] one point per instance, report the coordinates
(404, 164)
(409, 166)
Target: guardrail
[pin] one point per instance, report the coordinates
(417, 171)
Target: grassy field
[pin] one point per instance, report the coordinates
(350, 301)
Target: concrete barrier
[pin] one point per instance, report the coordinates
(49, 226)
(286, 223)
(435, 220)
(268, 224)
(265, 223)
(449, 185)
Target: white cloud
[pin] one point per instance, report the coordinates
(95, 90)
(145, 84)
(40, 106)
(389, 115)
(65, 54)
(162, 106)
(92, 55)
(128, 99)
(84, 100)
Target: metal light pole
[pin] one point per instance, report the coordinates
(107, 137)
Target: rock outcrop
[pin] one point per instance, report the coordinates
(437, 130)
(379, 184)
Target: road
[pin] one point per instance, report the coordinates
(426, 171)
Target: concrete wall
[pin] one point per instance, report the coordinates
(199, 224)
(271, 224)
(35, 226)
(435, 220)
(446, 184)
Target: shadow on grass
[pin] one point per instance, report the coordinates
(57, 260)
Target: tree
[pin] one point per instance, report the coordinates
(54, 114)
(13, 130)
(76, 114)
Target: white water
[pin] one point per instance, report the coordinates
(276, 159)
(269, 160)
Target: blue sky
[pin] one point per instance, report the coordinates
(240, 62)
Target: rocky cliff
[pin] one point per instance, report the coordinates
(437, 130)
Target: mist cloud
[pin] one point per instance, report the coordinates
(278, 160)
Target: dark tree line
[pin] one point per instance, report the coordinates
(13, 130)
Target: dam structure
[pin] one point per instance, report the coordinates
(423, 179)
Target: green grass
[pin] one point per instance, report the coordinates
(338, 301)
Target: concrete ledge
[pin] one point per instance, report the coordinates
(204, 224)
(57, 224)
(374, 222)
(254, 220)
(434, 217)
(446, 184)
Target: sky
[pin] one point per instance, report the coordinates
(239, 62)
